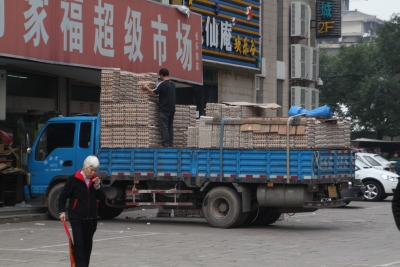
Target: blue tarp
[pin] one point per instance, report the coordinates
(324, 111)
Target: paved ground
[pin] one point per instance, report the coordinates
(361, 234)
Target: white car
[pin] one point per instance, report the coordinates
(379, 184)
(376, 161)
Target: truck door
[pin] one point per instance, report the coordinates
(53, 155)
(85, 145)
(59, 152)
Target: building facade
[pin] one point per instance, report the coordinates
(240, 51)
(356, 25)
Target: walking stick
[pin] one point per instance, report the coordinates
(71, 245)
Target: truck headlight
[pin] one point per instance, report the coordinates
(389, 178)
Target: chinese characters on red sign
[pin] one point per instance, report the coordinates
(136, 36)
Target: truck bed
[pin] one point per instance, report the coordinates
(242, 165)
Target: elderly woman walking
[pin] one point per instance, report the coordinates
(83, 190)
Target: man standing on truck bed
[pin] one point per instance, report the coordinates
(166, 94)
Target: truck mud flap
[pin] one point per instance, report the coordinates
(324, 204)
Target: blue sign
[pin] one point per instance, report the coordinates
(231, 31)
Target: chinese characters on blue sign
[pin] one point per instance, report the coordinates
(328, 16)
(231, 31)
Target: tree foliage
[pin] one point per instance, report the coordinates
(365, 79)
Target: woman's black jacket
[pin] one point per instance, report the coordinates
(82, 198)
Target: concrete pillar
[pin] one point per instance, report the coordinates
(62, 96)
(269, 52)
(3, 91)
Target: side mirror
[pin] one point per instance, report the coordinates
(28, 146)
(27, 141)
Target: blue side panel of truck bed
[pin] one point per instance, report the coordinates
(304, 164)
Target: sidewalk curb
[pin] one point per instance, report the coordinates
(23, 218)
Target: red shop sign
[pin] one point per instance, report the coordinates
(134, 35)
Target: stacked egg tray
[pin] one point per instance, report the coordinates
(185, 117)
(325, 135)
(122, 86)
(221, 110)
(312, 133)
(214, 109)
(205, 132)
(128, 114)
(231, 136)
(193, 137)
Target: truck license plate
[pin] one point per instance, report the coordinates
(332, 191)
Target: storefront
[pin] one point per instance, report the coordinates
(51, 55)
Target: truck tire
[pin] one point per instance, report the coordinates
(52, 201)
(268, 217)
(373, 191)
(243, 219)
(106, 212)
(222, 207)
(265, 216)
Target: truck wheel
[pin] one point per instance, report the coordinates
(106, 212)
(373, 191)
(269, 216)
(52, 201)
(243, 218)
(265, 216)
(222, 207)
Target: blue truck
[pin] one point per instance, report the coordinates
(231, 186)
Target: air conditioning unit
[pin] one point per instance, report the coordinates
(298, 96)
(314, 98)
(300, 20)
(299, 61)
(304, 97)
(313, 64)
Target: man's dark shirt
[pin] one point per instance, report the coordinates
(166, 93)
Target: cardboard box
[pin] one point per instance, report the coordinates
(274, 129)
(6, 162)
(301, 129)
(250, 127)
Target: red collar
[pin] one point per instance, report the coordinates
(78, 175)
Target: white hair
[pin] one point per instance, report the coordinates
(91, 161)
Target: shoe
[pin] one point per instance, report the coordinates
(166, 145)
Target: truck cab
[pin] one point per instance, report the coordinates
(58, 152)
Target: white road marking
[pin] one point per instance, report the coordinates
(66, 244)
(390, 264)
(352, 221)
(13, 260)
(19, 229)
(120, 237)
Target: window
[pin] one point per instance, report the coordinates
(372, 161)
(85, 93)
(210, 75)
(30, 85)
(56, 135)
(361, 164)
(84, 134)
